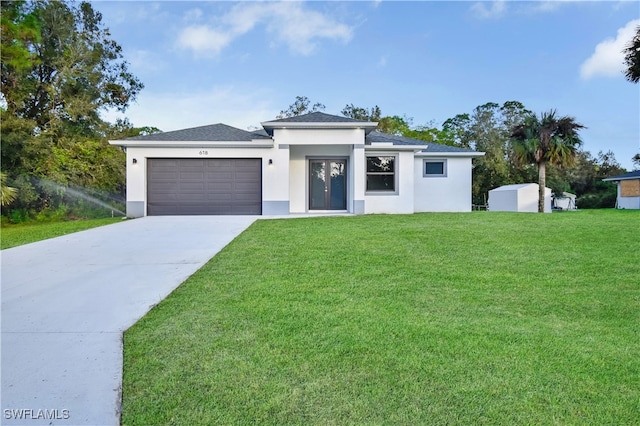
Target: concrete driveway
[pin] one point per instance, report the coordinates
(67, 301)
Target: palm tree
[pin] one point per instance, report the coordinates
(7, 193)
(547, 139)
(632, 58)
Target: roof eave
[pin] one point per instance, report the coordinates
(617, 179)
(472, 154)
(368, 126)
(391, 147)
(255, 143)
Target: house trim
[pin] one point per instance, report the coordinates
(275, 207)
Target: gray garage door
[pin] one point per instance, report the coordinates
(181, 186)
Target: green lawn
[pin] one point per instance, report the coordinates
(478, 318)
(16, 235)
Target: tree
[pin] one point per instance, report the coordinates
(636, 160)
(122, 129)
(359, 113)
(7, 193)
(488, 129)
(20, 31)
(632, 58)
(59, 70)
(300, 106)
(490, 170)
(456, 131)
(394, 125)
(548, 139)
(62, 66)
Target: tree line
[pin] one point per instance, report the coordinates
(519, 147)
(60, 69)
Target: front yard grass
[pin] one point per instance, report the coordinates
(478, 318)
(16, 235)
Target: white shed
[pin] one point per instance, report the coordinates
(521, 197)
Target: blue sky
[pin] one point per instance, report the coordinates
(240, 63)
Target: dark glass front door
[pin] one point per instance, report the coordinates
(327, 184)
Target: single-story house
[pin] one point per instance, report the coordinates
(522, 197)
(564, 201)
(309, 163)
(628, 190)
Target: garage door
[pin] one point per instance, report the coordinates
(181, 186)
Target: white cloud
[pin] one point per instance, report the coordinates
(240, 107)
(299, 28)
(201, 38)
(497, 10)
(290, 22)
(607, 59)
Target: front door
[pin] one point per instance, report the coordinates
(328, 184)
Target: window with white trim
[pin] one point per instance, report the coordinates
(434, 168)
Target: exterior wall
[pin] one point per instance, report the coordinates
(629, 203)
(402, 200)
(629, 194)
(359, 178)
(450, 193)
(275, 176)
(308, 143)
(318, 136)
(298, 185)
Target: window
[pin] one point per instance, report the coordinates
(381, 173)
(434, 168)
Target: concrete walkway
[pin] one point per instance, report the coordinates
(66, 302)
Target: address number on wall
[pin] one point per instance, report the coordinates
(204, 153)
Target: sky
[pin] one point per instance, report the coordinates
(241, 63)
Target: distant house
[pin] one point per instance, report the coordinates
(311, 163)
(628, 190)
(521, 197)
(564, 201)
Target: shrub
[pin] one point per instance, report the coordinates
(600, 200)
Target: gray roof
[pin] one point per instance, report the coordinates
(224, 133)
(630, 175)
(317, 117)
(212, 133)
(377, 136)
